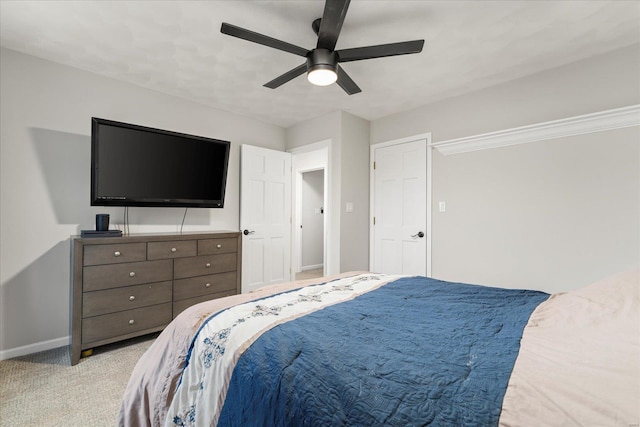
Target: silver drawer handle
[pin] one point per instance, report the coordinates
(219, 246)
(173, 250)
(207, 285)
(208, 265)
(117, 253)
(131, 298)
(131, 322)
(133, 273)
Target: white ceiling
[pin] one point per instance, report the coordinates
(176, 47)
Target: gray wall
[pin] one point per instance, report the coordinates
(44, 177)
(600, 83)
(354, 227)
(551, 215)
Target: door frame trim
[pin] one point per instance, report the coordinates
(429, 148)
(328, 217)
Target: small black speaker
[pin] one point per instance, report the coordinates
(102, 222)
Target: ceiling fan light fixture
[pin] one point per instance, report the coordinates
(322, 75)
(322, 62)
(322, 67)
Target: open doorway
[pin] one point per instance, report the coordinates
(311, 225)
(311, 245)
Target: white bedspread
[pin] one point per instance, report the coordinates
(579, 360)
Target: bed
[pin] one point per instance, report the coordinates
(366, 349)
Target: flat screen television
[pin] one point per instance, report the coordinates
(134, 165)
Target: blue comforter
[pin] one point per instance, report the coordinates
(416, 351)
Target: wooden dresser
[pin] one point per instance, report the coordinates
(123, 287)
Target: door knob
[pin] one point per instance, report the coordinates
(247, 232)
(420, 234)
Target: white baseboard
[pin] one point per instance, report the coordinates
(34, 348)
(312, 267)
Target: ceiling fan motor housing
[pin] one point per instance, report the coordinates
(322, 59)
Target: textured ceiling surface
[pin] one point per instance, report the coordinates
(176, 47)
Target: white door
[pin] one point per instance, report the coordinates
(400, 208)
(265, 216)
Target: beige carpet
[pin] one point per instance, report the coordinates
(309, 274)
(42, 389)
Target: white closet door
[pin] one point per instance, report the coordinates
(400, 209)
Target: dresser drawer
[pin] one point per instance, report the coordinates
(176, 249)
(114, 254)
(116, 275)
(119, 299)
(217, 246)
(180, 306)
(125, 322)
(204, 265)
(204, 285)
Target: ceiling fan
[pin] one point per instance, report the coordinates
(322, 64)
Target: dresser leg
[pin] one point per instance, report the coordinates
(86, 353)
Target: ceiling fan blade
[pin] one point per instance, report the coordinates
(252, 36)
(380, 51)
(345, 82)
(331, 23)
(289, 75)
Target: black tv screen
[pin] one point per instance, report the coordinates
(134, 165)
